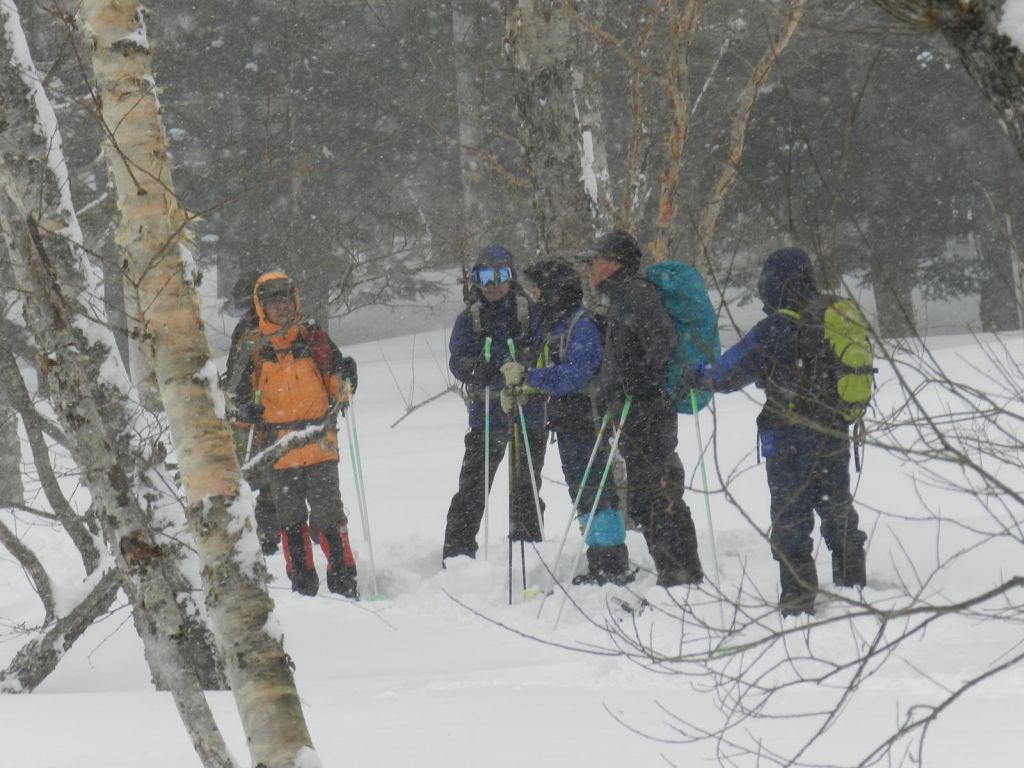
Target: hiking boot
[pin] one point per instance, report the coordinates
(606, 565)
(343, 583)
(305, 581)
(679, 576)
(849, 568)
(799, 580)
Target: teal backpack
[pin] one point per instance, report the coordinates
(686, 298)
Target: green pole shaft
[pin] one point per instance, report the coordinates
(487, 452)
(597, 498)
(553, 571)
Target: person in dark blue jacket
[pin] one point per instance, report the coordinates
(570, 359)
(807, 463)
(499, 312)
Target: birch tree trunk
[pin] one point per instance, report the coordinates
(154, 233)
(11, 487)
(87, 385)
(712, 208)
(994, 62)
(587, 86)
(682, 26)
(469, 99)
(540, 47)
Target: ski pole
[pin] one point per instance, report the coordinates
(252, 430)
(352, 433)
(572, 514)
(529, 456)
(597, 499)
(487, 450)
(513, 470)
(707, 500)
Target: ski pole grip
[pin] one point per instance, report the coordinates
(487, 349)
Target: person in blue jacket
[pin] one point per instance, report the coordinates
(807, 463)
(499, 311)
(570, 359)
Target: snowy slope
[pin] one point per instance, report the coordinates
(438, 669)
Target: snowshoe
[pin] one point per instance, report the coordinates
(600, 578)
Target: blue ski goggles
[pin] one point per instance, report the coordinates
(488, 276)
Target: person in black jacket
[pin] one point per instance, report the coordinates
(639, 339)
(499, 312)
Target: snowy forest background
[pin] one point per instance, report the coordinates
(363, 146)
(370, 149)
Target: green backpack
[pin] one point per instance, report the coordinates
(836, 361)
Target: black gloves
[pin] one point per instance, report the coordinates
(689, 378)
(349, 372)
(249, 413)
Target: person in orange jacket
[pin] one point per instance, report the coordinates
(294, 378)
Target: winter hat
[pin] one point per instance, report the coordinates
(787, 280)
(558, 282)
(275, 285)
(619, 246)
(495, 256)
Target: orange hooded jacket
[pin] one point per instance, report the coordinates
(294, 390)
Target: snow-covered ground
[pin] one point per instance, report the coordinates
(439, 670)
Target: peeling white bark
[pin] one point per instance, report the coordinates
(154, 233)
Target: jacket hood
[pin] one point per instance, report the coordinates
(269, 284)
(787, 280)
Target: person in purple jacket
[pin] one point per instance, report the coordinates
(570, 359)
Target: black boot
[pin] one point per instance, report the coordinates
(305, 581)
(848, 567)
(606, 565)
(343, 582)
(341, 563)
(299, 560)
(799, 580)
(267, 528)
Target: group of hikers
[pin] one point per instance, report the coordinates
(536, 360)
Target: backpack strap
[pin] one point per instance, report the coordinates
(563, 341)
(522, 316)
(474, 317)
